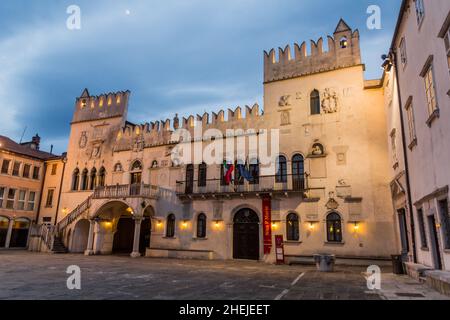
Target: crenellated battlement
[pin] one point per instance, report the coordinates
(343, 51)
(90, 108)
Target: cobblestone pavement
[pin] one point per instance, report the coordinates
(25, 275)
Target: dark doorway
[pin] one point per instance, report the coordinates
(403, 232)
(124, 236)
(136, 178)
(4, 224)
(435, 248)
(144, 241)
(246, 235)
(19, 235)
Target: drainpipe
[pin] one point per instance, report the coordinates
(393, 55)
(60, 190)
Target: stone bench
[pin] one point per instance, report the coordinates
(341, 261)
(439, 280)
(415, 270)
(180, 254)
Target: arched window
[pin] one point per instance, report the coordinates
(118, 167)
(4, 225)
(281, 175)
(201, 226)
(102, 177)
(202, 171)
(315, 102)
(334, 227)
(189, 179)
(93, 179)
(292, 227)
(298, 172)
(254, 171)
(343, 43)
(136, 166)
(75, 179)
(84, 180)
(170, 228)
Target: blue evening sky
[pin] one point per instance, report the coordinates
(176, 56)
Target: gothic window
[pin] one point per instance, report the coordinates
(137, 166)
(93, 179)
(315, 102)
(334, 227)
(343, 43)
(84, 180)
(281, 169)
(292, 227)
(170, 228)
(201, 225)
(75, 179)
(202, 172)
(101, 177)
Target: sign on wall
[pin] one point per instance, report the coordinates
(267, 224)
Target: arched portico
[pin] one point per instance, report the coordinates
(79, 241)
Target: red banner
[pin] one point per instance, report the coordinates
(267, 224)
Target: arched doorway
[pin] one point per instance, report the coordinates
(146, 230)
(80, 236)
(124, 236)
(246, 235)
(19, 235)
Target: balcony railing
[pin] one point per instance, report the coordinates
(287, 183)
(127, 191)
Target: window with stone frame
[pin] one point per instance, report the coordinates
(430, 88)
(315, 102)
(292, 227)
(423, 235)
(5, 166)
(411, 123)
(16, 169)
(26, 171)
(2, 195)
(447, 46)
(170, 227)
(403, 54)
(50, 194)
(36, 171)
(420, 11)
(334, 227)
(201, 226)
(21, 200)
(31, 201)
(445, 222)
(54, 169)
(11, 198)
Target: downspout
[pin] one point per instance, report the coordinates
(405, 156)
(60, 190)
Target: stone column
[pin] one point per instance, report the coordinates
(137, 235)
(90, 245)
(9, 233)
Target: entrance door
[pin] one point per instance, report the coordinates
(144, 241)
(19, 235)
(136, 178)
(4, 224)
(246, 235)
(403, 232)
(435, 248)
(124, 236)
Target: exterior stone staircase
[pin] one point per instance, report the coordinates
(58, 246)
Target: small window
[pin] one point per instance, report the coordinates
(2, 196)
(292, 227)
(49, 202)
(334, 227)
(411, 123)
(16, 169)
(403, 56)
(102, 177)
(84, 180)
(31, 201)
(423, 235)
(445, 222)
(170, 228)
(201, 226)
(93, 179)
(281, 169)
(447, 46)
(36, 172)
(75, 179)
(420, 11)
(430, 90)
(11, 199)
(54, 169)
(343, 42)
(315, 102)
(83, 103)
(137, 166)
(254, 171)
(202, 173)
(21, 200)
(5, 166)
(26, 171)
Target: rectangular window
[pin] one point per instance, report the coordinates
(423, 236)
(411, 123)
(31, 201)
(54, 168)
(420, 11)
(445, 222)
(403, 56)
(49, 202)
(26, 171)
(21, 200)
(11, 198)
(2, 195)
(430, 90)
(36, 173)
(5, 166)
(16, 169)
(447, 46)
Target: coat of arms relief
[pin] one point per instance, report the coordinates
(330, 101)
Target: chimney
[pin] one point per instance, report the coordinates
(36, 141)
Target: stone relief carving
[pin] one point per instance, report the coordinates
(317, 149)
(285, 101)
(96, 151)
(285, 118)
(299, 96)
(83, 140)
(329, 101)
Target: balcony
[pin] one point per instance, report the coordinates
(127, 191)
(216, 188)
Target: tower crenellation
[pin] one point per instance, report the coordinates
(343, 51)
